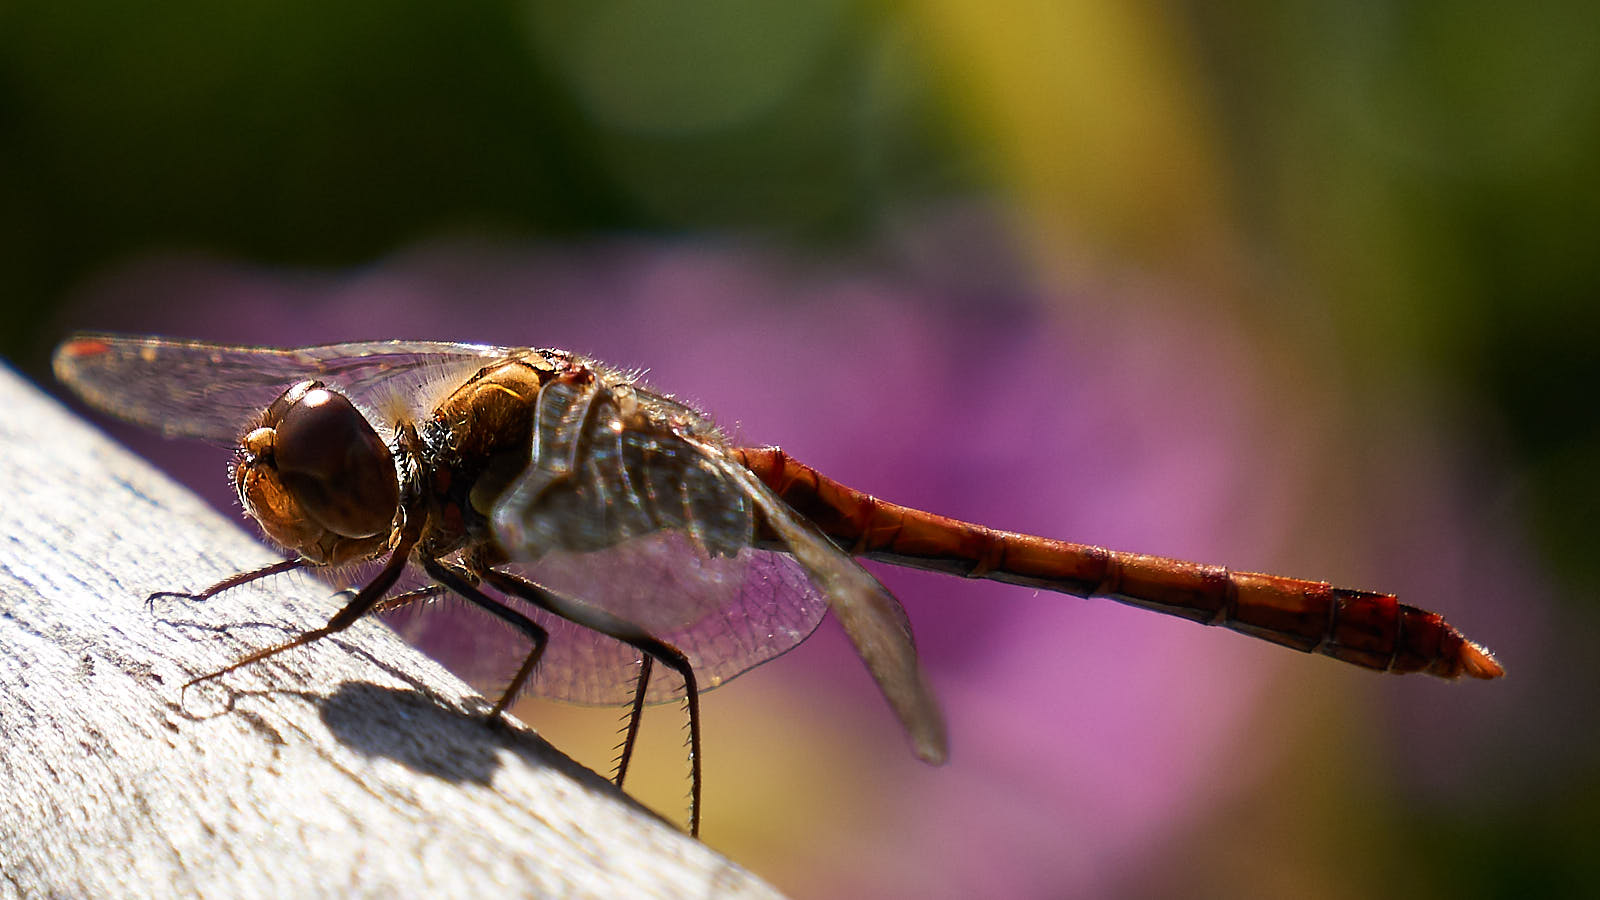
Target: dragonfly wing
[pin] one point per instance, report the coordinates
(615, 468)
(874, 620)
(620, 512)
(727, 614)
(605, 470)
(213, 391)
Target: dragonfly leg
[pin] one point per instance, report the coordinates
(232, 581)
(363, 602)
(635, 711)
(636, 637)
(409, 597)
(462, 581)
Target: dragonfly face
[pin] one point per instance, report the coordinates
(317, 477)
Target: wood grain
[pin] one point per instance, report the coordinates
(355, 767)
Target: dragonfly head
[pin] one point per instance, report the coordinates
(317, 477)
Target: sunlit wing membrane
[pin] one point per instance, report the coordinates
(211, 391)
(622, 515)
(874, 620)
(727, 614)
(599, 475)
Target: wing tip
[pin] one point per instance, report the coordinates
(933, 749)
(923, 720)
(74, 350)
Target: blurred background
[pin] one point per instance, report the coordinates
(1309, 290)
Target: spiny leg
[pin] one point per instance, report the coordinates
(635, 711)
(461, 581)
(232, 581)
(622, 630)
(363, 602)
(408, 598)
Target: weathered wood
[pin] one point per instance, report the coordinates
(354, 767)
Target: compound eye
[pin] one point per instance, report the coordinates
(338, 469)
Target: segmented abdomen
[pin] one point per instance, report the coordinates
(1365, 628)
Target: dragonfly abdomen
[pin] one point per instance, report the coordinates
(1365, 628)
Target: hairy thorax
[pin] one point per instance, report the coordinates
(476, 444)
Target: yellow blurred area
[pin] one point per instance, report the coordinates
(1092, 113)
(783, 771)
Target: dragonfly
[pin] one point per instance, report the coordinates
(617, 528)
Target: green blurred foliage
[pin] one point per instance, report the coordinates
(316, 134)
(1435, 169)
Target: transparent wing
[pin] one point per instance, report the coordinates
(619, 511)
(202, 390)
(613, 487)
(727, 614)
(872, 618)
(611, 463)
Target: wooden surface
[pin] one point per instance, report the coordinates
(355, 767)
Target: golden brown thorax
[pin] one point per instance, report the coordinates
(482, 437)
